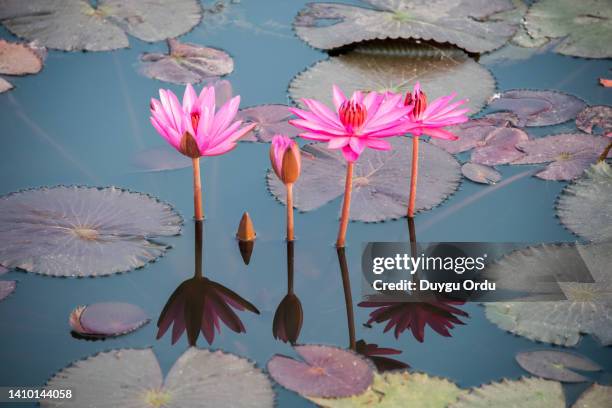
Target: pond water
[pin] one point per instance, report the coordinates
(83, 119)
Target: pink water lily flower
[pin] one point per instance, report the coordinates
(359, 122)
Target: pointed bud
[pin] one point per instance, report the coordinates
(189, 146)
(352, 114)
(246, 231)
(285, 158)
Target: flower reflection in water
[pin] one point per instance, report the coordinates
(289, 314)
(199, 304)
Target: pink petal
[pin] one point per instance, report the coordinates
(338, 142)
(378, 144)
(338, 96)
(316, 127)
(349, 154)
(189, 98)
(316, 136)
(439, 133)
(225, 115)
(323, 112)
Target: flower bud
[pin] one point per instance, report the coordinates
(285, 158)
(246, 231)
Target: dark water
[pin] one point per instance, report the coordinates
(84, 117)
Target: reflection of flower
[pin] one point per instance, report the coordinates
(200, 304)
(374, 353)
(440, 315)
(288, 319)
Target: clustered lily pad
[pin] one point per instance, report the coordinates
(595, 119)
(107, 319)
(468, 24)
(133, 378)
(556, 365)
(83, 231)
(19, 59)
(377, 175)
(269, 120)
(76, 25)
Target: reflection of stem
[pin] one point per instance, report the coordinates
(199, 243)
(290, 236)
(348, 298)
(605, 153)
(413, 175)
(412, 233)
(289, 267)
(197, 189)
(346, 206)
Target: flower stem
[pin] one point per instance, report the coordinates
(605, 153)
(414, 174)
(346, 205)
(290, 236)
(197, 190)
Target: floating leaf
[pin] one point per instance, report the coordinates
(19, 59)
(326, 372)
(538, 108)
(82, 231)
(596, 396)
(396, 69)
(584, 206)
(469, 24)
(5, 85)
(568, 154)
(480, 174)
(380, 181)
(556, 365)
(399, 389)
(107, 319)
(133, 378)
(270, 120)
(524, 393)
(6, 288)
(583, 27)
(74, 25)
(186, 63)
(593, 118)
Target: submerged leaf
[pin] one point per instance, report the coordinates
(469, 24)
(568, 154)
(74, 25)
(186, 63)
(595, 119)
(556, 365)
(326, 372)
(380, 181)
(6, 288)
(596, 396)
(132, 378)
(19, 59)
(397, 69)
(524, 393)
(480, 174)
(584, 206)
(83, 231)
(269, 120)
(107, 319)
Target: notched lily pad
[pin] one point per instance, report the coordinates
(133, 378)
(380, 180)
(469, 24)
(75, 25)
(524, 393)
(479, 173)
(568, 154)
(186, 63)
(270, 120)
(6, 288)
(83, 231)
(556, 365)
(107, 319)
(20, 59)
(596, 396)
(538, 108)
(326, 372)
(595, 120)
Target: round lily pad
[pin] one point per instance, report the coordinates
(538, 108)
(595, 120)
(186, 63)
(596, 396)
(584, 206)
(469, 24)
(479, 173)
(380, 180)
(269, 120)
(567, 154)
(524, 393)
(439, 71)
(20, 59)
(132, 378)
(83, 231)
(75, 25)
(6, 288)
(583, 27)
(556, 365)
(399, 389)
(326, 372)
(107, 319)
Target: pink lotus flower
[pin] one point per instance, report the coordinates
(358, 122)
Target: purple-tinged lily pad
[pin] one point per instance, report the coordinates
(556, 365)
(20, 59)
(538, 108)
(469, 24)
(568, 154)
(595, 120)
(6, 288)
(5, 85)
(83, 231)
(270, 120)
(107, 319)
(186, 63)
(380, 180)
(479, 173)
(326, 372)
(76, 25)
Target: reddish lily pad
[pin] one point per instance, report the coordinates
(107, 319)
(20, 59)
(5, 85)
(75, 25)
(595, 120)
(479, 173)
(538, 108)
(556, 365)
(186, 63)
(6, 288)
(326, 372)
(469, 24)
(568, 154)
(270, 120)
(378, 178)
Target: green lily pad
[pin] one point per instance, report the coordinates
(556, 365)
(596, 396)
(469, 24)
(396, 69)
